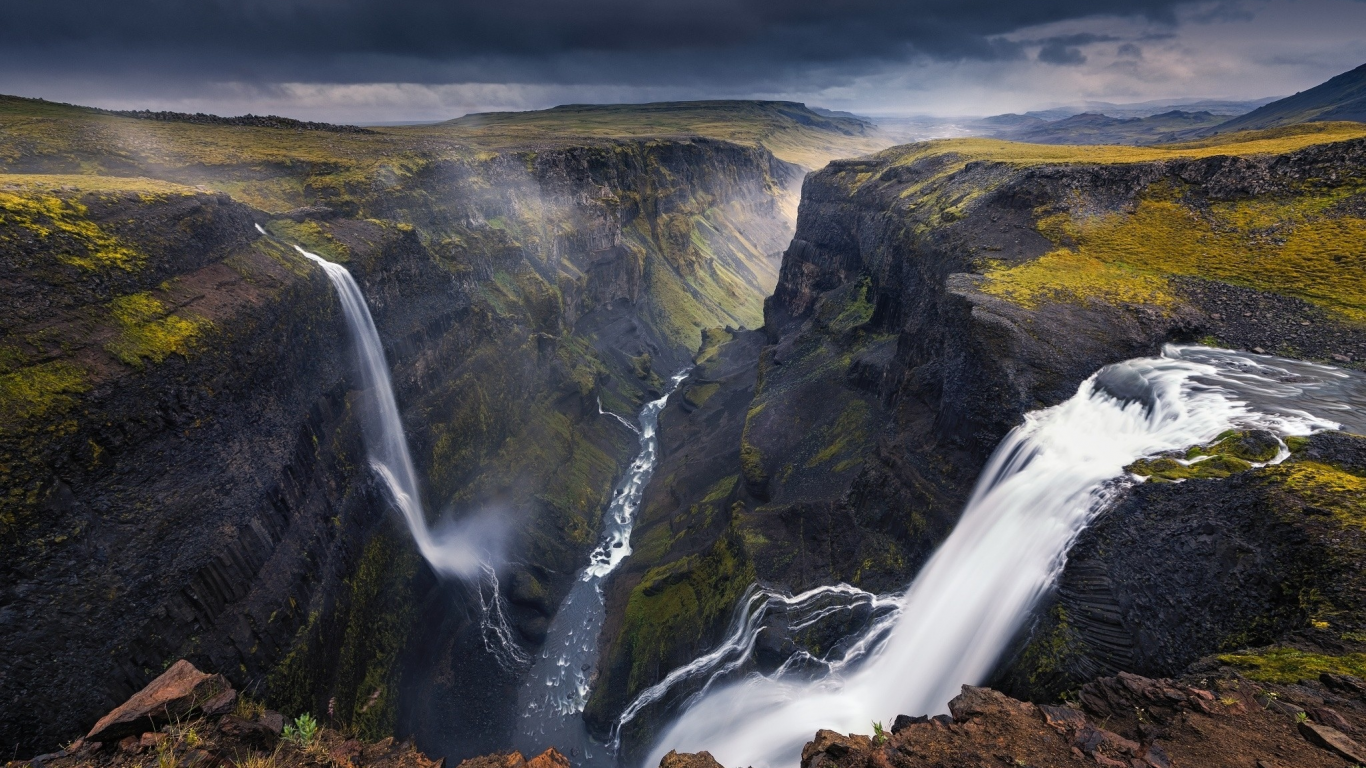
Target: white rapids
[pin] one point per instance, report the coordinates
(1043, 483)
(556, 690)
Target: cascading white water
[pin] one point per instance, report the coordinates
(450, 551)
(1043, 483)
(556, 689)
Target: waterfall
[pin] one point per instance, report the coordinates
(1043, 483)
(555, 691)
(454, 550)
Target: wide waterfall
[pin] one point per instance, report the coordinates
(555, 692)
(456, 549)
(1044, 482)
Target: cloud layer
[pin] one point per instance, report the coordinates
(426, 59)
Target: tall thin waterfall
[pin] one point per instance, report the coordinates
(451, 550)
(1041, 486)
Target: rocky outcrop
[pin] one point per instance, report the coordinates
(1175, 572)
(187, 717)
(179, 693)
(1128, 721)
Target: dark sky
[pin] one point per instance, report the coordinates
(368, 60)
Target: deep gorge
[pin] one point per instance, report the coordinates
(183, 447)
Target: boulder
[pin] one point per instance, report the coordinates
(1333, 740)
(689, 760)
(179, 692)
(551, 758)
(254, 733)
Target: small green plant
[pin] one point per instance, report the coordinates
(248, 708)
(879, 735)
(302, 731)
(1301, 716)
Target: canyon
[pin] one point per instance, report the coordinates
(188, 474)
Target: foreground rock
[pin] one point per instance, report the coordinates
(551, 758)
(180, 692)
(1125, 721)
(186, 717)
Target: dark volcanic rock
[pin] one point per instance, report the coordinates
(1175, 572)
(1125, 722)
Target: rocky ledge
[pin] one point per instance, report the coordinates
(188, 718)
(1125, 721)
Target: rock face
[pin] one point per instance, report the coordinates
(1176, 572)
(930, 297)
(182, 478)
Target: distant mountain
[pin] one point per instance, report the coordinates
(1341, 98)
(1094, 128)
(1152, 108)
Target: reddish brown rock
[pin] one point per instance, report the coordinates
(1333, 740)
(177, 694)
(689, 760)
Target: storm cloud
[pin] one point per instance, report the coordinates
(457, 53)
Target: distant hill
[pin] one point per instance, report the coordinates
(1093, 128)
(791, 131)
(1341, 98)
(1156, 107)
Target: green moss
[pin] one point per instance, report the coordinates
(313, 237)
(1325, 487)
(1168, 470)
(1288, 665)
(712, 340)
(39, 390)
(379, 619)
(1239, 445)
(147, 331)
(1044, 662)
(699, 394)
(847, 432)
(676, 606)
(1230, 452)
(857, 311)
(64, 226)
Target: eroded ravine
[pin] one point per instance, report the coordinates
(553, 696)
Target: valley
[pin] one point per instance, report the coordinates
(656, 416)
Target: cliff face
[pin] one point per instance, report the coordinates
(180, 434)
(181, 478)
(931, 296)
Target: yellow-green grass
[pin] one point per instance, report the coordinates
(1272, 142)
(1286, 666)
(1293, 246)
(37, 390)
(1324, 486)
(33, 211)
(147, 331)
(755, 124)
(66, 184)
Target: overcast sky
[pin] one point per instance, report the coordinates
(390, 60)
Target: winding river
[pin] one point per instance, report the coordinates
(553, 696)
